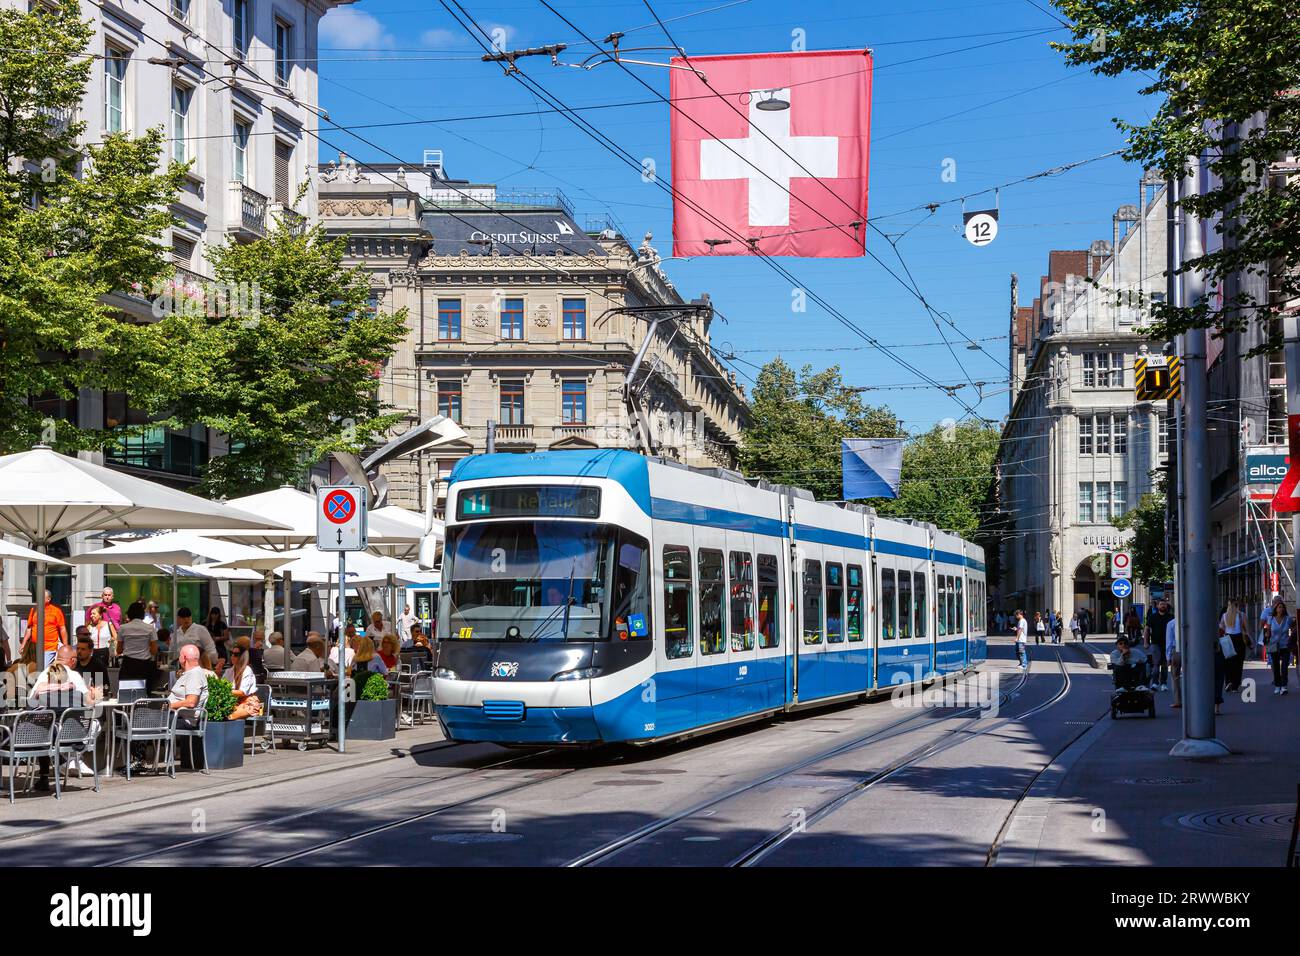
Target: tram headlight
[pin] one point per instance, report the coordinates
(446, 673)
(584, 673)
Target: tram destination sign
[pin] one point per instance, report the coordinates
(528, 501)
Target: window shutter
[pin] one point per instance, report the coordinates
(283, 156)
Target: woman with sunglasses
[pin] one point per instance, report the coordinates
(240, 672)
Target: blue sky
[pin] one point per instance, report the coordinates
(970, 82)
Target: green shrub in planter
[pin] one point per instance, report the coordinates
(375, 688)
(221, 698)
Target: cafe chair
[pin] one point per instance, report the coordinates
(201, 713)
(27, 738)
(78, 732)
(420, 696)
(147, 720)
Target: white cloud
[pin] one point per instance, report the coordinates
(438, 38)
(346, 27)
(500, 34)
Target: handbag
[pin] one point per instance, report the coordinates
(1225, 645)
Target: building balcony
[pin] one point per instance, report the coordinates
(512, 433)
(245, 212)
(294, 222)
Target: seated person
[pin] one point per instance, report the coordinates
(59, 685)
(388, 651)
(22, 673)
(350, 637)
(240, 672)
(367, 662)
(190, 690)
(313, 656)
(275, 657)
(420, 651)
(90, 665)
(1129, 664)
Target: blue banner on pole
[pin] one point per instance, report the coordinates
(872, 467)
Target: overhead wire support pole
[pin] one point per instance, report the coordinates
(1199, 602)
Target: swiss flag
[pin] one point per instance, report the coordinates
(788, 182)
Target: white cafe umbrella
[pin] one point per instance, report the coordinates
(45, 496)
(9, 550)
(310, 565)
(177, 551)
(297, 509)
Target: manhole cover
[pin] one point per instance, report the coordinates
(654, 773)
(626, 783)
(467, 838)
(1265, 821)
(1157, 781)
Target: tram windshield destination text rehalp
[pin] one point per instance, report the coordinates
(529, 501)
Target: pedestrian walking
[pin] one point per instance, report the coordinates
(1076, 628)
(1157, 625)
(1175, 657)
(1022, 640)
(1233, 626)
(1058, 627)
(1040, 627)
(103, 635)
(1085, 623)
(1281, 641)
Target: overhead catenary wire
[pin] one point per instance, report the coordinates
(471, 26)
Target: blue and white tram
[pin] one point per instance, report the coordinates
(601, 596)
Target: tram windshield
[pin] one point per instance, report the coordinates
(542, 581)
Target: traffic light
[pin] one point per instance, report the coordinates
(1157, 378)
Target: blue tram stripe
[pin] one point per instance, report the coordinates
(666, 509)
(839, 539)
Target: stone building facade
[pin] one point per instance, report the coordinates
(1078, 449)
(517, 315)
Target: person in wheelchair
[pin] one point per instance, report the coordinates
(1128, 665)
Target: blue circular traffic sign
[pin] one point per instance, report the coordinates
(339, 506)
(1121, 587)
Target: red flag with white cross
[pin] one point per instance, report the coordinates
(770, 153)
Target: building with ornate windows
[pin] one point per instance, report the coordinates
(1077, 449)
(517, 315)
(233, 83)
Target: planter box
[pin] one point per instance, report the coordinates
(223, 746)
(372, 720)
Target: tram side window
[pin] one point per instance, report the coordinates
(853, 620)
(769, 601)
(812, 602)
(960, 616)
(888, 625)
(922, 611)
(632, 588)
(941, 604)
(952, 606)
(741, 568)
(904, 605)
(834, 604)
(712, 589)
(679, 636)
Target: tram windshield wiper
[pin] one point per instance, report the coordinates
(559, 608)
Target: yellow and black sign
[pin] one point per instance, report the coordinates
(1157, 378)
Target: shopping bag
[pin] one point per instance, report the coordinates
(1225, 643)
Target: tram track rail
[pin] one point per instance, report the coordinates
(897, 729)
(351, 802)
(952, 739)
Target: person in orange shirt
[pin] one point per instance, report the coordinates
(56, 629)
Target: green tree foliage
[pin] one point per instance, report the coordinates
(1147, 522)
(947, 478)
(799, 419)
(294, 377)
(74, 226)
(1211, 63)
